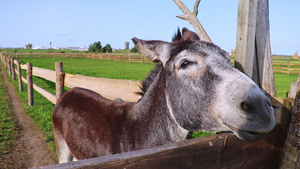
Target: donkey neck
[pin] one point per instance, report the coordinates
(153, 108)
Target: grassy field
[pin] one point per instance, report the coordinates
(283, 83)
(95, 68)
(42, 109)
(7, 124)
(19, 50)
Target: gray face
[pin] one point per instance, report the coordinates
(204, 92)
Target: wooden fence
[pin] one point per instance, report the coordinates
(110, 88)
(287, 67)
(118, 57)
(279, 66)
(215, 151)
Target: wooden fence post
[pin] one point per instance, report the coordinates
(143, 58)
(8, 65)
(60, 77)
(29, 84)
(253, 51)
(19, 76)
(4, 62)
(129, 59)
(12, 66)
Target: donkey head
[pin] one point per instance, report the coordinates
(205, 92)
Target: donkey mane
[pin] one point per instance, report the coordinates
(177, 36)
(147, 82)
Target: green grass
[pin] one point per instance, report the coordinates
(41, 111)
(95, 68)
(7, 123)
(283, 83)
(19, 50)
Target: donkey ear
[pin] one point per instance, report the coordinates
(189, 35)
(156, 51)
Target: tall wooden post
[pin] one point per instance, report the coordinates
(60, 77)
(253, 51)
(19, 76)
(29, 84)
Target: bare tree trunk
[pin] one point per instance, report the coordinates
(192, 18)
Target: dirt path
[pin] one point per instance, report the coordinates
(29, 150)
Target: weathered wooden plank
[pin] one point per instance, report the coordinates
(282, 109)
(44, 73)
(109, 88)
(23, 66)
(293, 89)
(245, 40)
(263, 48)
(49, 96)
(24, 79)
(214, 152)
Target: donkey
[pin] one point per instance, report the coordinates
(193, 87)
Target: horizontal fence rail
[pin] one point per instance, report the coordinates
(286, 67)
(214, 152)
(119, 57)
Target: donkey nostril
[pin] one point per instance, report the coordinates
(246, 106)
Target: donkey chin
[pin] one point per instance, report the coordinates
(244, 109)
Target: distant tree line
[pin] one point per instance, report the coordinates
(28, 46)
(96, 47)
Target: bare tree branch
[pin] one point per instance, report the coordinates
(192, 18)
(195, 12)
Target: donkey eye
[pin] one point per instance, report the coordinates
(184, 64)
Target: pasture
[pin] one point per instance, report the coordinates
(42, 109)
(7, 124)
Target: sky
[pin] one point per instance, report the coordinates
(80, 23)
